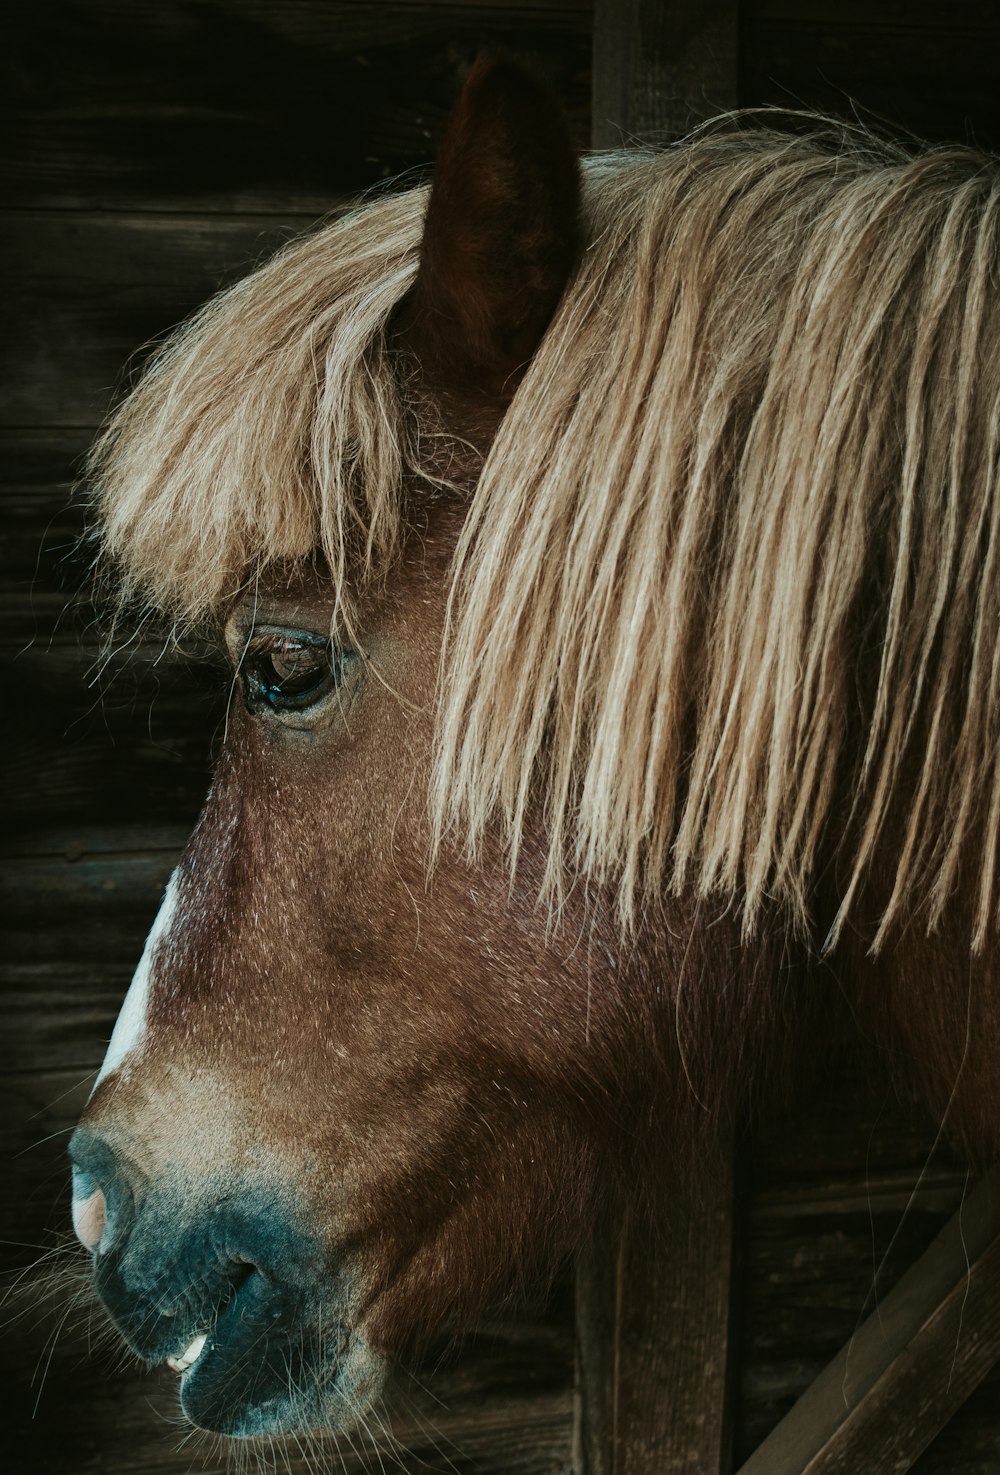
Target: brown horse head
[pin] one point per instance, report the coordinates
(547, 696)
(347, 1100)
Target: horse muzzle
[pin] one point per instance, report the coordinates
(230, 1289)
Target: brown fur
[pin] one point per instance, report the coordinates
(466, 1085)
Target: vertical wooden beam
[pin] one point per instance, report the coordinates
(598, 1285)
(661, 66)
(654, 1323)
(655, 1339)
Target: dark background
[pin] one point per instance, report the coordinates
(151, 151)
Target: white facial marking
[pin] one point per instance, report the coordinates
(130, 1026)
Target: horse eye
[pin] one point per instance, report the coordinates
(289, 672)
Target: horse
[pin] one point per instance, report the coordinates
(606, 555)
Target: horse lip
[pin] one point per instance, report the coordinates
(218, 1391)
(305, 1367)
(184, 1360)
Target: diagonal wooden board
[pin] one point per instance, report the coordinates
(655, 1354)
(918, 1357)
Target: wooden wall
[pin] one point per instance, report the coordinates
(152, 150)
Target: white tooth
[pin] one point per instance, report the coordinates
(189, 1356)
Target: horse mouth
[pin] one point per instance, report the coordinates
(271, 1364)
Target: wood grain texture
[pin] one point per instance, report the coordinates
(930, 1343)
(43, 564)
(661, 66)
(655, 1338)
(921, 70)
(98, 289)
(90, 738)
(247, 104)
(962, 17)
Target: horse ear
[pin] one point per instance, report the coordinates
(500, 235)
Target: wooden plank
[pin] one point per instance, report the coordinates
(53, 1013)
(829, 1183)
(854, 1183)
(94, 288)
(103, 739)
(935, 82)
(887, 1192)
(928, 1345)
(661, 66)
(962, 17)
(73, 842)
(808, 1279)
(654, 1322)
(44, 565)
(597, 1289)
(969, 1443)
(140, 726)
(104, 906)
(655, 1339)
(248, 104)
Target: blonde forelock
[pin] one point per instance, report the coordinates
(269, 429)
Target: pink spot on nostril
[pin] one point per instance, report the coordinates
(89, 1215)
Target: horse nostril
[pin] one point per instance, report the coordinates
(102, 1196)
(89, 1217)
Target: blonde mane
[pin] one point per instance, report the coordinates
(268, 428)
(734, 555)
